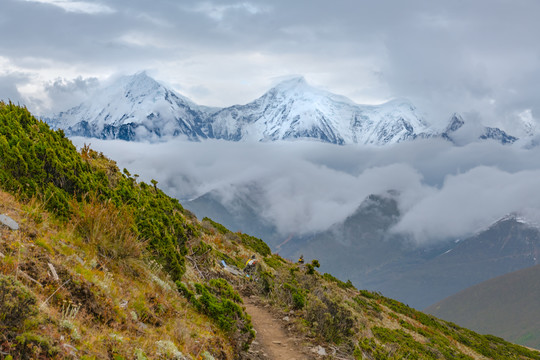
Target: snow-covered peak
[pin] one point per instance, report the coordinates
(291, 83)
(460, 133)
(132, 107)
(456, 122)
(528, 123)
(294, 109)
(139, 107)
(520, 217)
(299, 90)
(141, 88)
(401, 103)
(140, 81)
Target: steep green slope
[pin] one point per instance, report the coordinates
(507, 306)
(39, 162)
(103, 266)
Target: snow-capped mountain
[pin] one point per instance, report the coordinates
(139, 108)
(134, 107)
(457, 124)
(293, 109)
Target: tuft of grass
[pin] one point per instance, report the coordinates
(110, 230)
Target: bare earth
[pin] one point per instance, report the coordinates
(272, 340)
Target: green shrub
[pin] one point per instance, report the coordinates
(249, 241)
(223, 289)
(220, 302)
(183, 289)
(331, 319)
(299, 300)
(297, 296)
(274, 261)
(341, 284)
(17, 304)
(30, 346)
(369, 294)
(266, 282)
(219, 228)
(228, 315)
(369, 346)
(255, 244)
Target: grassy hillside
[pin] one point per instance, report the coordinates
(106, 267)
(507, 306)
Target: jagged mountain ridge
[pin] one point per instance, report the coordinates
(139, 108)
(507, 245)
(294, 109)
(457, 123)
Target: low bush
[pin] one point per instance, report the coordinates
(297, 296)
(255, 244)
(330, 318)
(217, 226)
(341, 284)
(17, 304)
(274, 261)
(219, 301)
(369, 346)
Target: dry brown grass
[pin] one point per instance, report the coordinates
(108, 229)
(125, 306)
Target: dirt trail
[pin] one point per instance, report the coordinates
(272, 340)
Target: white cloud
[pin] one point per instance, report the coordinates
(218, 12)
(444, 191)
(66, 93)
(144, 40)
(83, 7)
(470, 201)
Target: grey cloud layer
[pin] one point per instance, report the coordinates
(479, 56)
(445, 191)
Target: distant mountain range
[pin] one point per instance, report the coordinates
(505, 306)
(139, 108)
(508, 245)
(363, 248)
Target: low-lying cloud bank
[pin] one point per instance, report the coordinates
(306, 186)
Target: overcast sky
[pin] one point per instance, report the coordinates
(479, 58)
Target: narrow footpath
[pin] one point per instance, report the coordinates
(272, 341)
